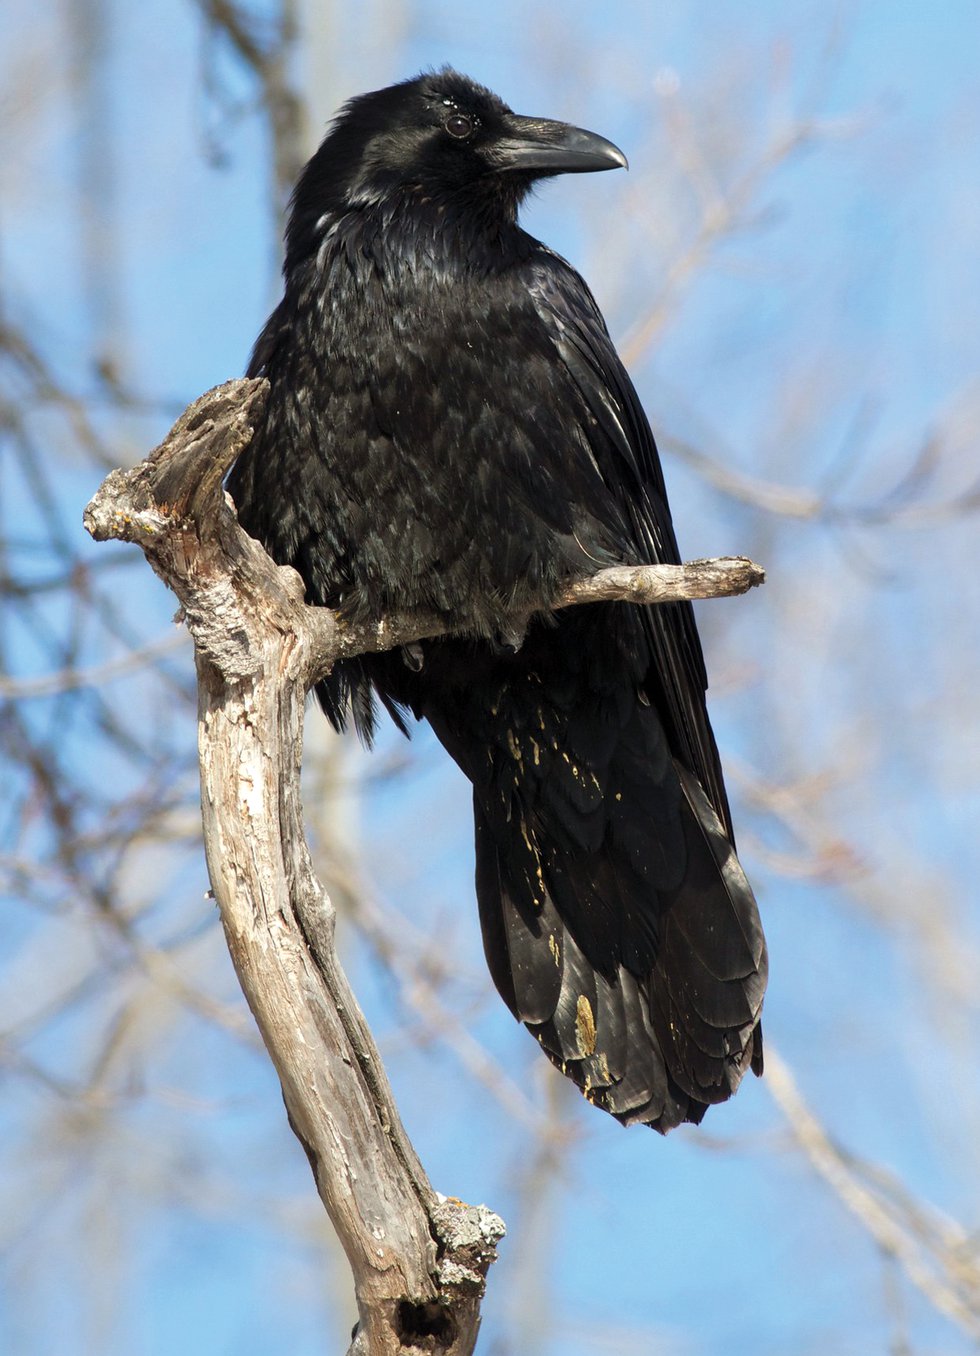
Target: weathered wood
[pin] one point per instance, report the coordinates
(721, 577)
(419, 1260)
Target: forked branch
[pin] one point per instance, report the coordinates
(419, 1260)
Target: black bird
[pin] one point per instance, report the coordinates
(449, 428)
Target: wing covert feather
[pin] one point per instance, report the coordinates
(625, 452)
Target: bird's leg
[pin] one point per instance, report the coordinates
(510, 638)
(413, 656)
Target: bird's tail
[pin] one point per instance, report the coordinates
(618, 924)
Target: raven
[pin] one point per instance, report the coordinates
(450, 430)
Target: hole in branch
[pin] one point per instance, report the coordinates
(418, 1322)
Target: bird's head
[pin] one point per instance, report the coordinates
(437, 137)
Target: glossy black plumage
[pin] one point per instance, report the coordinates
(450, 428)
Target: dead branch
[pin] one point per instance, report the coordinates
(419, 1260)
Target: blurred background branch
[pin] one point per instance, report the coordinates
(788, 268)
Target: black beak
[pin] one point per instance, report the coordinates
(537, 146)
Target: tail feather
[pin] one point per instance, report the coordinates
(569, 1034)
(522, 944)
(639, 972)
(617, 922)
(732, 952)
(710, 975)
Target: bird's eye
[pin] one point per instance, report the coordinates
(458, 125)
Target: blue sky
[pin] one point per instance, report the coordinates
(826, 338)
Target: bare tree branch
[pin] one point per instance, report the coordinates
(935, 1252)
(268, 56)
(68, 679)
(419, 1261)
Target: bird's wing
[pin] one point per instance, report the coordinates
(623, 446)
(275, 331)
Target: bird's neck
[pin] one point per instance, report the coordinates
(443, 235)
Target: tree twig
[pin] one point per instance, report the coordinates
(933, 1251)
